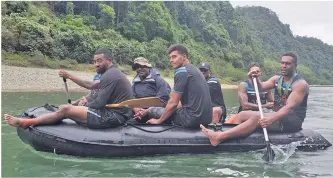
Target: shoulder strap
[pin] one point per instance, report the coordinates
(291, 81)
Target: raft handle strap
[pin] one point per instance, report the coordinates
(149, 131)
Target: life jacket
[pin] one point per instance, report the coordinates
(251, 95)
(282, 92)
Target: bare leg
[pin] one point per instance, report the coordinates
(240, 130)
(217, 113)
(76, 113)
(241, 117)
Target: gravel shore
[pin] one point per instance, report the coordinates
(23, 79)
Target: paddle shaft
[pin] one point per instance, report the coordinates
(259, 106)
(67, 93)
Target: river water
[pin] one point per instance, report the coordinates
(20, 160)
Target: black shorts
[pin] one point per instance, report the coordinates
(290, 123)
(177, 118)
(104, 118)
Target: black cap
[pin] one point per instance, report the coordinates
(204, 65)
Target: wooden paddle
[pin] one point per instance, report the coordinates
(140, 102)
(269, 154)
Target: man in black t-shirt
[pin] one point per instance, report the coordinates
(219, 109)
(114, 88)
(190, 93)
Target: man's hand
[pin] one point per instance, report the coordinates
(253, 73)
(136, 110)
(269, 105)
(82, 101)
(154, 121)
(64, 74)
(266, 121)
(140, 113)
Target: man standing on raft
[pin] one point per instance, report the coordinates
(290, 104)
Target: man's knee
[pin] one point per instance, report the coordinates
(65, 109)
(246, 115)
(155, 112)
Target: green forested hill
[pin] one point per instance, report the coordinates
(214, 32)
(277, 37)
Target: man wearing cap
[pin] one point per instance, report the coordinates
(219, 109)
(148, 83)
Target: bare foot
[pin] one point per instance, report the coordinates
(13, 121)
(213, 136)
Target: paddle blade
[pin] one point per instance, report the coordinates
(140, 102)
(269, 155)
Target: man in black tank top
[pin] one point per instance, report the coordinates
(291, 94)
(247, 96)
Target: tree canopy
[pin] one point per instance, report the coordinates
(213, 31)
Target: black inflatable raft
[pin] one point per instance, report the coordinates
(137, 140)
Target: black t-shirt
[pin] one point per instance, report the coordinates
(114, 88)
(215, 92)
(216, 95)
(196, 104)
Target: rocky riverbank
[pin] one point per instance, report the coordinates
(23, 79)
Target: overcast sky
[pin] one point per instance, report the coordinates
(306, 18)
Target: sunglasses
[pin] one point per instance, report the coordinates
(136, 66)
(203, 70)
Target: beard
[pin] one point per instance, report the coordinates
(101, 69)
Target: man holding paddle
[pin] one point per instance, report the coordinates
(114, 88)
(90, 85)
(290, 104)
(190, 89)
(247, 96)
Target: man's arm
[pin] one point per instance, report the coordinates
(268, 85)
(85, 83)
(243, 99)
(299, 90)
(171, 107)
(88, 84)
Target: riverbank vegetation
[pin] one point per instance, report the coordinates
(58, 34)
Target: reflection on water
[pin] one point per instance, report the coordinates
(20, 160)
